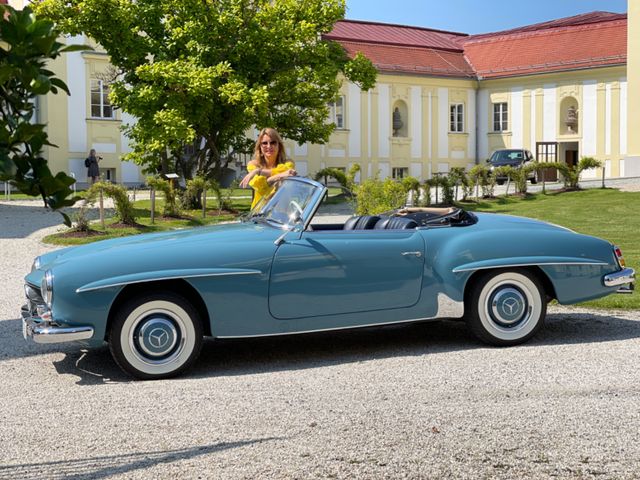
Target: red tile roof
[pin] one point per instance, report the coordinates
(418, 60)
(390, 34)
(550, 49)
(404, 49)
(582, 41)
(582, 19)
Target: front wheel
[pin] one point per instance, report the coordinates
(157, 335)
(506, 308)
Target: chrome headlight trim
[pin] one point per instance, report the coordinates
(36, 264)
(46, 288)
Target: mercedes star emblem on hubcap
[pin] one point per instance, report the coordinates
(158, 337)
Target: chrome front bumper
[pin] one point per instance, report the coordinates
(41, 330)
(621, 278)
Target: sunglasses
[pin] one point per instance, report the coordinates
(273, 143)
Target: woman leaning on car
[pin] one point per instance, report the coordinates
(269, 164)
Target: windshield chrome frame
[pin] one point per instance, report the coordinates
(308, 212)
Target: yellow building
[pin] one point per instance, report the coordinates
(563, 89)
(560, 89)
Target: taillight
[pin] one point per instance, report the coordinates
(619, 256)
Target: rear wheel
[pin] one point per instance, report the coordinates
(506, 308)
(157, 335)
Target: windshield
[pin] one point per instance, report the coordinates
(507, 156)
(294, 200)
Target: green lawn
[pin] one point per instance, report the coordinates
(605, 213)
(189, 218)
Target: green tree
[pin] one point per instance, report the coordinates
(27, 43)
(202, 72)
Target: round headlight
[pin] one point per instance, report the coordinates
(46, 288)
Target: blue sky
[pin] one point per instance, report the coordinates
(474, 16)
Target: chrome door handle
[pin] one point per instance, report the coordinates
(415, 254)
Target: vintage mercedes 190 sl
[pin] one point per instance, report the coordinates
(154, 297)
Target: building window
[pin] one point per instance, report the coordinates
(398, 173)
(456, 119)
(336, 112)
(100, 105)
(500, 117)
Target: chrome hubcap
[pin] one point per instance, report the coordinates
(156, 337)
(509, 307)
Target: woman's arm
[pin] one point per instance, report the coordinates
(254, 169)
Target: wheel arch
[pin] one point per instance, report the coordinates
(534, 270)
(178, 286)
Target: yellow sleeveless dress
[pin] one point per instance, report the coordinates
(259, 182)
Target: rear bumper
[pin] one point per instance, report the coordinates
(41, 330)
(621, 279)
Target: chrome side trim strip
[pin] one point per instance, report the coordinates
(302, 332)
(447, 308)
(531, 264)
(160, 279)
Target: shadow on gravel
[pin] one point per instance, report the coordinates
(108, 466)
(27, 219)
(271, 354)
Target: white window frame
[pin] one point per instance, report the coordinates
(398, 173)
(456, 117)
(101, 88)
(337, 112)
(502, 121)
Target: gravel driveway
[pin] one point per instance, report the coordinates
(420, 401)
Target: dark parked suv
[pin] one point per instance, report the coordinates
(515, 157)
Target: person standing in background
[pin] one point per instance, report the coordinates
(91, 162)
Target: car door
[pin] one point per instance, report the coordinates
(339, 272)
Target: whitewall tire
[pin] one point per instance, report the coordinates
(156, 336)
(506, 308)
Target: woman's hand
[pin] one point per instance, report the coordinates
(244, 183)
(289, 173)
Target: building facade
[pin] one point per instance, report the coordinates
(563, 89)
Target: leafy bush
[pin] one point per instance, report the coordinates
(80, 219)
(458, 178)
(334, 173)
(375, 196)
(124, 208)
(346, 180)
(171, 208)
(28, 44)
(571, 174)
(482, 177)
(412, 186)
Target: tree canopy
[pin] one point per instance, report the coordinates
(203, 72)
(27, 43)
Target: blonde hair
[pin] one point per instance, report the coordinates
(257, 151)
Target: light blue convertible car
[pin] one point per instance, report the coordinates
(154, 297)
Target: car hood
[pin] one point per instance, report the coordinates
(229, 246)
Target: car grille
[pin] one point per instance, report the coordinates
(34, 297)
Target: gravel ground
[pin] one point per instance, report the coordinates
(420, 401)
